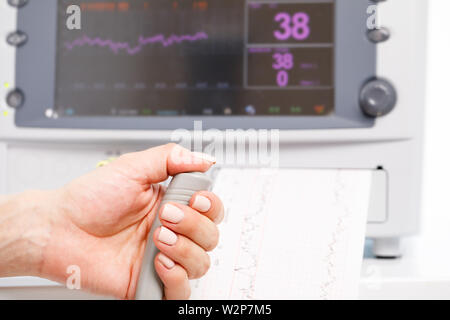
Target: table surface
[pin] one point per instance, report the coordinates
(423, 272)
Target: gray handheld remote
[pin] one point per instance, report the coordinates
(181, 189)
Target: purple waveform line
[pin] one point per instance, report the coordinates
(115, 46)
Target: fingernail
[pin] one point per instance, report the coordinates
(172, 214)
(166, 236)
(166, 261)
(202, 204)
(204, 156)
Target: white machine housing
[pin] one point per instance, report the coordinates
(48, 158)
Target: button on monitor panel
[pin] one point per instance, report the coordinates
(162, 64)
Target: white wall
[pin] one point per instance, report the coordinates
(437, 141)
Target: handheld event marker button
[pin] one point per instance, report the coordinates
(181, 189)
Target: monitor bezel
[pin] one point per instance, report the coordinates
(355, 64)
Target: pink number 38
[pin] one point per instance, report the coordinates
(296, 26)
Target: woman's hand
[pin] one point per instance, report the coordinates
(99, 224)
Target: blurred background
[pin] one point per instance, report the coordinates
(436, 202)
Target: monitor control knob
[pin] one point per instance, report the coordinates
(17, 3)
(15, 98)
(17, 38)
(378, 98)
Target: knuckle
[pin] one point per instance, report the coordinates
(192, 227)
(201, 268)
(213, 240)
(184, 250)
(205, 266)
(178, 279)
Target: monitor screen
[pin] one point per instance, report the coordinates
(196, 57)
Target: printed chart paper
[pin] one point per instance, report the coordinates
(288, 234)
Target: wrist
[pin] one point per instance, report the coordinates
(24, 232)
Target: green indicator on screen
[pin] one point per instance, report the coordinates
(274, 110)
(296, 109)
(146, 112)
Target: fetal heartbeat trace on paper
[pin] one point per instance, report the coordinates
(330, 262)
(288, 234)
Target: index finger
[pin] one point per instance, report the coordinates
(157, 164)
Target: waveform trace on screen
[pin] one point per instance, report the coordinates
(116, 46)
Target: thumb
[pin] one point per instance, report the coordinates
(157, 164)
